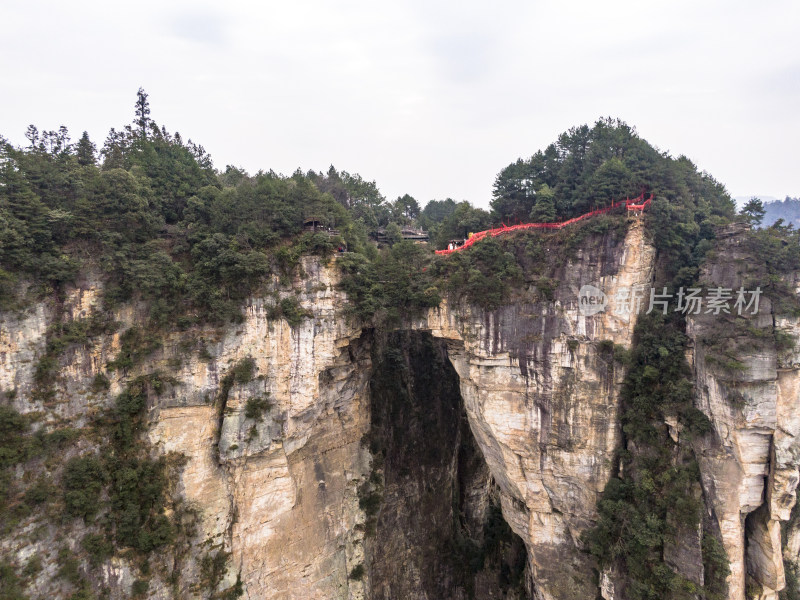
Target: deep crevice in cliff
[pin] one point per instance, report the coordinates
(435, 528)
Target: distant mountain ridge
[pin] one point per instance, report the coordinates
(742, 200)
(787, 209)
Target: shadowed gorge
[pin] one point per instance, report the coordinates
(434, 528)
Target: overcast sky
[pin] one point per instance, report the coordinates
(428, 98)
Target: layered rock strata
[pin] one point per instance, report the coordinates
(747, 383)
(277, 463)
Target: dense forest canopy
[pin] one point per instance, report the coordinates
(587, 167)
(153, 215)
(151, 212)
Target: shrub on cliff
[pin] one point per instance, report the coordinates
(289, 308)
(397, 285)
(256, 407)
(484, 275)
(83, 480)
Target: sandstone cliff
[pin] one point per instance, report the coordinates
(297, 478)
(746, 374)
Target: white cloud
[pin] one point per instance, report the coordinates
(200, 26)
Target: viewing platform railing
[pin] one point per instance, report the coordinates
(635, 204)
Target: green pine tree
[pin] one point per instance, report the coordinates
(753, 211)
(85, 150)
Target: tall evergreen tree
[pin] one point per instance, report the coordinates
(51, 142)
(114, 149)
(63, 139)
(514, 192)
(405, 208)
(544, 211)
(754, 211)
(32, 133)
(142, 112)
(86, 150)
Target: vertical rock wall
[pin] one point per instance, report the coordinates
(277, 492)
(747, 383)
(280, 491)
(541, 389)
(283, 490)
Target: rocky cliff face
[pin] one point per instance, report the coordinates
(540, 389)
(278, 491)
(747, 383)
(314, 481)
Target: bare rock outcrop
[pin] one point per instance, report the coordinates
(541, 391)
(746, 380)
